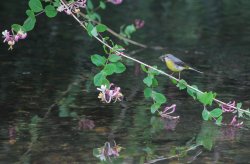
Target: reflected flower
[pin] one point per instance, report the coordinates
(236, 123)
(169, 110)
(228, 107)
(72, 7)
(107, 151)
(115, 2)
(170, 124)
(12, 135)
(139, 23)
(108, 94)
(84, 124)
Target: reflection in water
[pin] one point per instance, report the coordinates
(46, 85)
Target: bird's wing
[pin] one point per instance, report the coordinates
(178, 61)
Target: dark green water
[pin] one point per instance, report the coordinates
(51, 71)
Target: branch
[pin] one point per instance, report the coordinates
(160, 71)
(122, 37)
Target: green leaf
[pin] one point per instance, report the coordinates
(114, 58)
(238, 105)
(89, 28)
(154, 82)
(216, 112)
(182, 84)
(205, 114)
(94, 32)
(109, 69)
(148, 80)
(192, 92)
(147, 92)
(129, 30)
(155, 107)
(174, 81)
(219, 120)
(30, 13)
(35, 5)
(50, 11)
(29, 23)
(17, 27)
(119, 67)
(100, 79)
(206, 98)
(98, 60)
(153, 71)
(102, 5)
(90, 5)
(158, 97)
(144, 68)
(101, 28)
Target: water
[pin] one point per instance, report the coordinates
(49, 76)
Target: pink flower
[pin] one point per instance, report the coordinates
(12, 39)
(6, 35)
(109, 94)
(169, 110)
(21, 34)
(115, 2)
(228, 107)
(72, 7)
(235, 123)
(139, 23)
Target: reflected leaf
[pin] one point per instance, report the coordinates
(157, 124)
(207, 135)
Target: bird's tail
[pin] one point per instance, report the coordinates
(190, 68)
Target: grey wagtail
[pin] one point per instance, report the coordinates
(175, 64)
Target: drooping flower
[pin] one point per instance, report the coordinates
(21, 34)
(84, 124)
(115, 2)
(108, 94)
(11, 39)
(228, 107)
(73, 7)
(169, 110)
(236, 123)
(139, 23)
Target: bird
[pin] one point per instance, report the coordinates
(176, 65)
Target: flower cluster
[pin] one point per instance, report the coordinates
(169, 110)
(108, 94)
(115, 2)
(108, 151)
(229, 108)
(72, 7)
(139, 23)
(11, 39)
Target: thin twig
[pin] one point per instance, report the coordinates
(160, 71)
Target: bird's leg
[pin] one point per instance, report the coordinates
(179, 75)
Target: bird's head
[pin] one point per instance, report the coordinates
(165, 57)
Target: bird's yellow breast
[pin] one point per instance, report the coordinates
(170, 64)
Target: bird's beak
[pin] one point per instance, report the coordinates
(162, 58)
